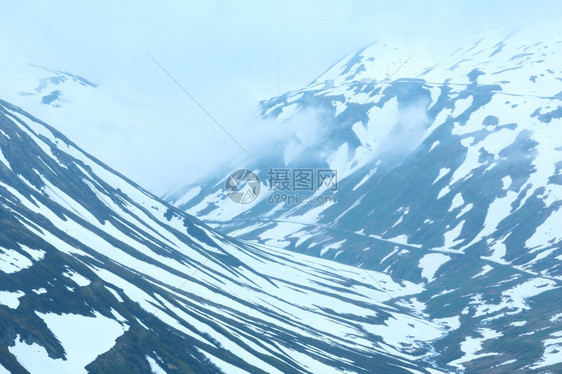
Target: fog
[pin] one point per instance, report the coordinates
(228, 55)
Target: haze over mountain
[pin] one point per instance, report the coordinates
(227, 54)
(437, 251)
(448, 175)
(98, 275)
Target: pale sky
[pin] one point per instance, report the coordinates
(230, 54)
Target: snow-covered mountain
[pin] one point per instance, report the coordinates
(101, 113)
(449, 174)
(98, 275)
(54, 86)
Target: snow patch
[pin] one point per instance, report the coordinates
(154, 367)
(472, 346)
(485, 270)
(77, 278)
(457, 202)
(11, 299)
(430, 263)
(83, 338)
(442, 173)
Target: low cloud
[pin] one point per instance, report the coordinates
(291, 139)
(409, 130)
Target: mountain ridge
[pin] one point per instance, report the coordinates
(448, 174)
(98, 275)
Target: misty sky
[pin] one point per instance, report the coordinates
(228, 55)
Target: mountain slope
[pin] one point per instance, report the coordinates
(71, 103)
(98, 275)
(448, 174)
(436, 152)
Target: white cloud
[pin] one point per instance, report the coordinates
(227, 54)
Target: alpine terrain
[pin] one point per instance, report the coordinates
(449, 176)
(97, 275)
